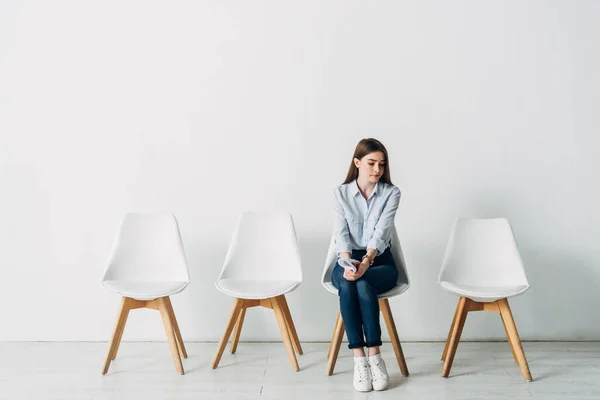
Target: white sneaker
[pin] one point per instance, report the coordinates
(380, 377)
(362, 375)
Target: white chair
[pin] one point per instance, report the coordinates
(384, 305)
(482, 265)
(261, 266)
(147, 265)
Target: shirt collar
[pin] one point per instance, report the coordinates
(355, 190)
(375, 191)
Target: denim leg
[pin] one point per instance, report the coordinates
(376, 280)
(369, 310)
(349, 307)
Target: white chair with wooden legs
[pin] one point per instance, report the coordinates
(384, 305)
(482, 265)
(262, 265)
(147, 265)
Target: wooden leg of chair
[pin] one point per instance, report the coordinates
(279, 314)
(117, 334)
(512, 348)
(337, 322)
(290, 324)
(238, 329)
(336, 342)
(176, 331)
(384, 304)
(237, 308)
(463, 306)
(121, 329)
(119, 338)
(456, 313)
(163, 307)
(513, 335)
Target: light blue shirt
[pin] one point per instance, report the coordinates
(361, 224)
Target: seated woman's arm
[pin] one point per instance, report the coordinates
(383, 228)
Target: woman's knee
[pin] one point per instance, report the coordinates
(364, 289)
(346, 286)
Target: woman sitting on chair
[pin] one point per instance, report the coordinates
(365, 207)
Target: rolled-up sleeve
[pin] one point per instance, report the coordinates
(341, 235)
(383, 228)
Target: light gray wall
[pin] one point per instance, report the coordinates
(209, 108)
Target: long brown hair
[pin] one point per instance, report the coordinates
(364, 147)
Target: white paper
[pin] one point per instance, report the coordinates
(347, 263)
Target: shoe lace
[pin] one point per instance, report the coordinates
(363, 371)
(376, 371)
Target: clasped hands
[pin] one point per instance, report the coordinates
(361, 268)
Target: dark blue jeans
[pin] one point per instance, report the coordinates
(358, 299)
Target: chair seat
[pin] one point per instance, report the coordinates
(145, 290)
(484, 294)
(255, 289)
(395, 291)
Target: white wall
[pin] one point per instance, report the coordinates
(209, 108)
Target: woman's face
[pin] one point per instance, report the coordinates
(371, 166)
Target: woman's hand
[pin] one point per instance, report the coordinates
(361, 268)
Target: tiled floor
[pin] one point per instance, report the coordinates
(68, 371)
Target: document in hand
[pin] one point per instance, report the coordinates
(347, 263)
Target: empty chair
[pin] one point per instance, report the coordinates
(147, 265)
(401, 287)
(482, 265)
(261, 266)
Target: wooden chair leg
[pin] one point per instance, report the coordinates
(512, 348)
(117, 334)
(290, 324)
(337, 322)
(456, 313)
(163, 307)
(119, 338)
(176, 331)
(279, 314)
(120, 334)
(463, 308)
(336, 342)
(237, 308)
(238, 330)
(391, 327)
(513, 335)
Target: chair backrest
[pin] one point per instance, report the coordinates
(396, 252)
(263, 247)
(148, 247)
(482, 252)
